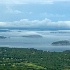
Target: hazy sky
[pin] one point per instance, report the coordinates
(35, 13)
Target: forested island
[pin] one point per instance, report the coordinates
(61, 43)
(33, 59)
(32, 36)
(2, 37)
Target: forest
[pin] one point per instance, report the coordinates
(33, 59)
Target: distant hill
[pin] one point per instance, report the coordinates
(61, 43)
(32, 36)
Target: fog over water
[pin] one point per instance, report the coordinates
(15, 39)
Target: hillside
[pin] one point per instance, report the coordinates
(33, 59)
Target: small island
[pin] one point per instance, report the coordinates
(33, 36)
(2, 37)
(61, 43)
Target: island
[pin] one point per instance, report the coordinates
(32, 36)
(61, 43)
(2, 37)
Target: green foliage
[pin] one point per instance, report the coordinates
(33, 59)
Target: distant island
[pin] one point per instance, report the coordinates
(61, 43)
(2, 37)
(32, 36)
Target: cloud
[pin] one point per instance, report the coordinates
(51, 15)
(31, 1)
(46, 23)
(12, 11)
(2, 24)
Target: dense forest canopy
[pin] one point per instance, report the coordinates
(33, 59)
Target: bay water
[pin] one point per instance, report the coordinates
(44, 43)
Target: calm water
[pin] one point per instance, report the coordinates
(38, 43)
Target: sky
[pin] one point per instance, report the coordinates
(39, 14)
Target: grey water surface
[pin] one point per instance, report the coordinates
(43, 43)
